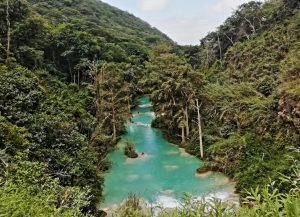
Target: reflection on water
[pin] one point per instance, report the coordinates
(162, 173)
(170, 167)
(133, 177)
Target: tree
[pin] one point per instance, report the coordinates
(199, 128)
(172, 85)
(241, 26)
(13, 11)
(8, 32)
(112, 93)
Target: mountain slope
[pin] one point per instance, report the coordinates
(105, 21)
(62, 35)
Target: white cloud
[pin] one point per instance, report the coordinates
(185, 27)
(153, 5)
(184, 31)
(228, 5)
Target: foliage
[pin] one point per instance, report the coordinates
(132, 207)
(172, 83)
(130, 151)
(246, 77)
(250, 105)
(113, 93)
(30, 191)
(12, 139)
(54, 124)
(20, 94)
(268, 203)
(79, 30)
(49, 101)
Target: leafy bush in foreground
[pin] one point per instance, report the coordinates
(262, 201)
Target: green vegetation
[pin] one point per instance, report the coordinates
(47, 123)
(70, 69)
(68, 72)
(129, 150)
(245, 75)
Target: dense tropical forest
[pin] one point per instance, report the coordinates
(71, 69)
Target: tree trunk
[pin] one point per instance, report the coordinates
(251, 25)
(207, 60)
(101, 91)
(246, 35)
(220, 48)
(78, 77)
(114, 127)
(70, 70)
(182, 135)
(53, 57)
(97, 89)
(8, 33)
(114, 120)
(230, 39)
(199, 129)
(174, 102)
(187, 122)
(128, 104)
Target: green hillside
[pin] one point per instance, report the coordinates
(62, 35)
(100, 19)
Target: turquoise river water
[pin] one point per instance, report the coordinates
(163, 173)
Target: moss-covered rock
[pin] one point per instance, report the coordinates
(130, 151)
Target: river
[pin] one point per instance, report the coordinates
(163, 173)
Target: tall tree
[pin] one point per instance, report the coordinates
(171, 82)
(199, 128)
(112, 95)
(12, 12)
(8, 38)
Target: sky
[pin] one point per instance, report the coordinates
(184, 21)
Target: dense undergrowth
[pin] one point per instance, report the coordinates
(45, 131)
